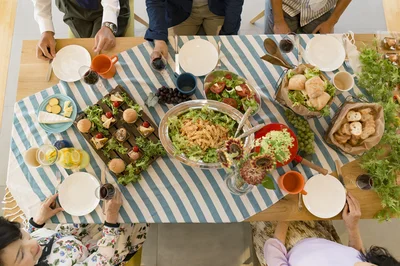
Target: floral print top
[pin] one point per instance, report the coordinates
(68, 250)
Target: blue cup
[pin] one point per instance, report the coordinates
(186, 83)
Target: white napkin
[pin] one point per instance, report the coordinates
(352, 53)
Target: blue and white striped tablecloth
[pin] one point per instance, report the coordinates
(169, 192)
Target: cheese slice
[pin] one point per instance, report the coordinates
(49, 118)
(67, 109)
(116, 98)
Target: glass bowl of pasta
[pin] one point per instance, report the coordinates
(193, 131)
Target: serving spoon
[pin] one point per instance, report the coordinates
(272, 48)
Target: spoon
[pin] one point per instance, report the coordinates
(275, 61)
(272, 48)
(244, 119)
(218, 66)
(251, 131)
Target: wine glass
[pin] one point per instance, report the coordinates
(286, 45)
(364, 182)
(88, 75)
(105, 191)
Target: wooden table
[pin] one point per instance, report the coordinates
(32, 79)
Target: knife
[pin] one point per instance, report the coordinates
(177, 70)
(251, 131)
(339, 172)
(103, 181)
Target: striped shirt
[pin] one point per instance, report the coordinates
(307, 12)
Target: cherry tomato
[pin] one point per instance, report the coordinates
(218, 87)
(146, 124)
(99, 136)
(231, 102)
(109, 115)
(244, 92)
(228, 76)
(116, 104)
(135, 149)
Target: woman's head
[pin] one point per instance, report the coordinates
(380, 257)
(17, 248)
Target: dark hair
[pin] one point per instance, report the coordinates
(379, 256)
(9, 233)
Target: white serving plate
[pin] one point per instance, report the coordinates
(68, 60)
(77, 194)
(325, 197)
(198, 57)
(325, 52)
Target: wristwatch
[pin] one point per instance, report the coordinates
(111, 26)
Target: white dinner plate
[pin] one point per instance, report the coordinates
(68, 60)
(77, 194)
(325, 197)
(198, 57)
(325, 52)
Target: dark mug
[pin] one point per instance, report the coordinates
(186, 83)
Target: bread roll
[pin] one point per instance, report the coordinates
(321, 101)
(368, 131)
(297, 82)
(353, 116)
(345, 129)
(365, 111)
(315, 87)
(354, 140)
(356, 129)
(342, 139)
(366, 117)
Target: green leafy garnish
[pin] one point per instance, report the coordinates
(290, 73)
(311, 72)
(149, 150)
(93, 113)
(114, 145)
(379, 78)
(109, 103)
(131, 104)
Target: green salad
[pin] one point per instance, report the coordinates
(200, 132)
(301, 97)
(229, 88)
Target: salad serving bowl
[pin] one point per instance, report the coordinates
(185, 107)
(231, 89)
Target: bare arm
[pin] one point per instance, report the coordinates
(328, 26)
(341, 6)
(281, 231)
(351, 216)
(280, 25)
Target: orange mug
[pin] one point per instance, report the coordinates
(292, 182)
(104, 65)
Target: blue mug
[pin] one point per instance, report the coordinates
(186, 83)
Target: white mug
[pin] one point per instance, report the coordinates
(343, 81)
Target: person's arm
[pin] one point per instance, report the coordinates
(280, 25)
(328, 26)
(105, 38)
(46, 47)
(275, 253)
(111, 11)
(351, 217)
(45, 212)
(281, 231)
(158, 28)
(233, 11)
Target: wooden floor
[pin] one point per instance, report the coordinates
(7, 17)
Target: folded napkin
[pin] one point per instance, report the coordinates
(351, 51)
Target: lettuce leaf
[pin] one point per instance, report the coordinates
(311, 72)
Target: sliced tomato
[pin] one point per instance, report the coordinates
(228, 76)
(244, 92)
(218, 87)
(231, 102)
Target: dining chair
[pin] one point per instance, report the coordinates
(259, 16)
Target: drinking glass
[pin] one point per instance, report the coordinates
(105, 191)
(364, 182)
(286, 45)
(158, 64)
(88, 75)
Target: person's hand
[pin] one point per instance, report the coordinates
(46, 212)
(160, 49)
(325, 27)
(351, 213)
(46, 47)
(281, 27)
(104, 40)
(112, 207)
